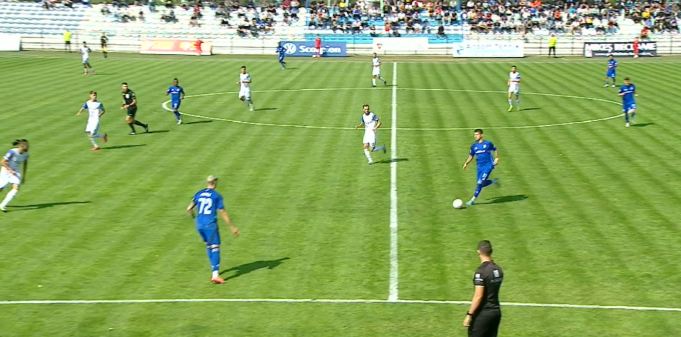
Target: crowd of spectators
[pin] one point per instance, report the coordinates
(398, 17)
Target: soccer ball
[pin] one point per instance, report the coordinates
(458, 203)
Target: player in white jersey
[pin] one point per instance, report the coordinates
(371, 123)
(85, 54)
(95, 111)
(9, 173)
(245, 90)
(376, 71)
(514, 88)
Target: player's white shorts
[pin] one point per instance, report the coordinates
(369, 137)
(6, 178)
(86, 60)
(514, 89)
(245, 92)
(376, 71)
(92, 126)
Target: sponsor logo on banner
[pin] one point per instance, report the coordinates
(604, 49)
(507, 48)
(10, 42)
(305, 48)
(398, 44)
(174, 46)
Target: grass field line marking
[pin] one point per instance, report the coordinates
(165, 106)
(393, 290)
(335, 301)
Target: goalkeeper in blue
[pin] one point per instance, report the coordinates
(628, 93)
(210, 203)
(487, 157)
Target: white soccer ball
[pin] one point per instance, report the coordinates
(458, 203)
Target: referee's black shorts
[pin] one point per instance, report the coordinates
(132, 111)
(485, 324)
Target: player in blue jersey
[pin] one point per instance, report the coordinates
(176, 96)
(487, 157)
(628, 93)
(281, 51)
(209, 203)
(612, 71)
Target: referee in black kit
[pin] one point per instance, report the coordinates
(484, 315)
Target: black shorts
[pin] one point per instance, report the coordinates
(132, 111)
(485, 324)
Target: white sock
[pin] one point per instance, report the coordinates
(10, 195)
(510, 102)
(92, 140)
(367, 153)
(373, 81)
(216, 273)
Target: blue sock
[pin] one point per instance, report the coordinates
(626, 117)
(487, 182)
(214, 257)
(478, 189)
(177, 115)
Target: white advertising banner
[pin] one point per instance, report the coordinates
(10, 42)
(479, 48)
(397, 44)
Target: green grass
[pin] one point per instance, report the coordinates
(587, 213)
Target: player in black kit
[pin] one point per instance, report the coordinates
(484, 315)
(130, 104)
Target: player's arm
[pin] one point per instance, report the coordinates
(225, 216)
(378, 125)
(102, 111)
(468, 160)
(23, 175)
(475, 304)
(190, 208)
(182, 93)
(5, 164)
(79, 111)
(82, 108)
(496, 157)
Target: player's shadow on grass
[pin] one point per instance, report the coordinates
(266, 109)
(388, 161)
(153, 131)
(31, 207)
(641, 125)
(530, 109)
(505, 198)
(116, 147)
(253, 266)
(196, 122)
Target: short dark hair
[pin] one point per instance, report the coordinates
(124, 83)
(93, 92)
(19, 141)
(365, 105)
(478, 131)
(485, 247)
(243, 67)
(627, 79)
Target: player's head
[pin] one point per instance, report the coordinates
(176, 81)
(84, 44)
(212, 181)
(485, 248)
(21, 144)
(93, 95)
(478, 134)
(365, 109)
(124, 86)
(514, 69)
(243, 69)
(610, 57)
(627, 80)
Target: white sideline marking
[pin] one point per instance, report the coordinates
(393, 290)
(336, 301)
(164, 105)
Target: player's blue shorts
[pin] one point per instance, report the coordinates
(210, 235)
(628, 107)
(281, 58)
(175, 105)
(611, 74)
(484, 173)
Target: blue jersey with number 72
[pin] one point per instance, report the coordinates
(208, 201)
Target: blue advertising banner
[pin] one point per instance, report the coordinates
(304, 48)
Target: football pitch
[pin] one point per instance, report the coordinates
(585, 223)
